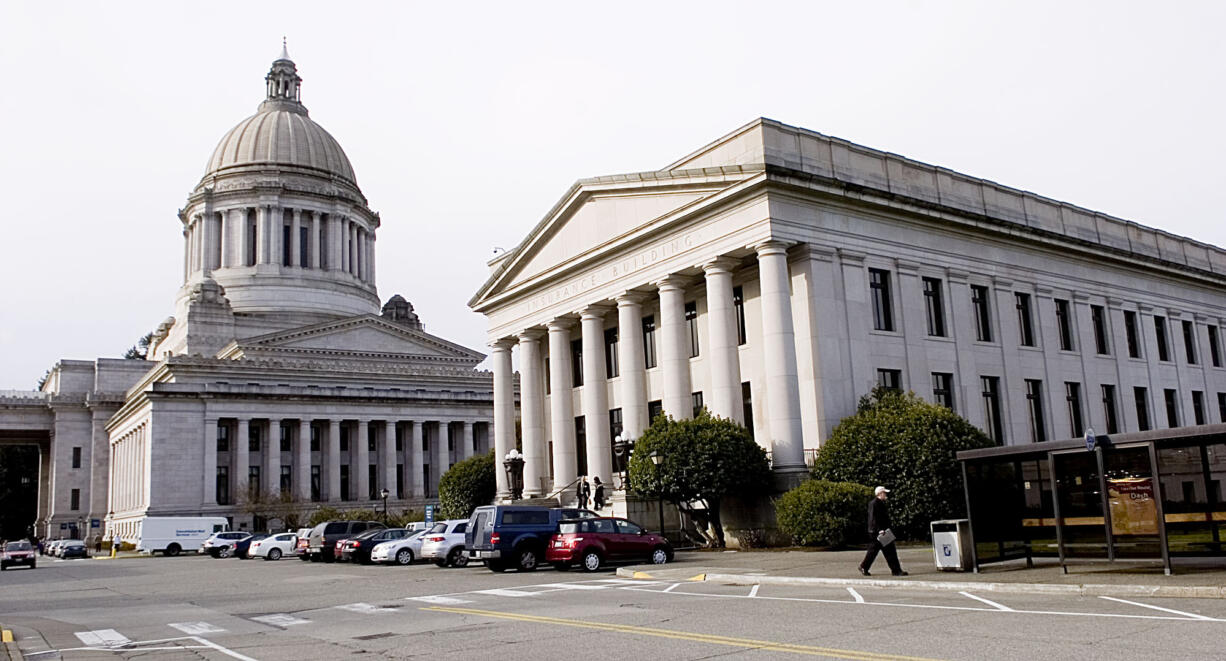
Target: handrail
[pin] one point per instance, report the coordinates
(559, 490)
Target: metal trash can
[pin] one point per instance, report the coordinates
(951, 544)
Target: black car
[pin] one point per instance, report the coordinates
(515, 536)
(358, 548)
(74, 549)
(321, 544)
(240, 548)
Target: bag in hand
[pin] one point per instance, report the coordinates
(886, 537)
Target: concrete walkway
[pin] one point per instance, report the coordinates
(838, 568)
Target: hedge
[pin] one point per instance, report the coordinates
(824, 513)
(467, 485)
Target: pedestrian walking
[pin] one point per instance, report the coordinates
(881, 537)
(583, 491)
(598, 493)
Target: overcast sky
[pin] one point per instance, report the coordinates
(465, 123)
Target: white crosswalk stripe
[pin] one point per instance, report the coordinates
(196, 628)
(440, 599)
(499, 592)
(280, 620)
(102, 638)
(573, 586)
(362, 607)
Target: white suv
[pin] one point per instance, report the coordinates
(219, 539)
(444, 543)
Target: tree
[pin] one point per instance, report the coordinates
(821, 513)
(140, 350)
(908, 445)
(272, 505)
(705, 459)
(467, 485)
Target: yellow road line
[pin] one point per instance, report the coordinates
(684, 635)
(6, 636)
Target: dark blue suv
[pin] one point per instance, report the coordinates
(515, 536)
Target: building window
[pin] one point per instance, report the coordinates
(1072, 394)
(400, 480)
(1099, 319)
(943, 389)
(1171, 398)
(314, 438)
(890, 379)
(1113, 423)
(691, 323)
(1215, 350)
(344, 438)
(611, 365)
(1034, 402)
(253, 480)
(304, 246)
(747, 406)
(344, 481)
(75, 498)
(879, 288)
(547, 377)
(1025, 326)
(372, 438)
(372, 482)
(76, 457)
(655, 408)
(1164, 349)
(649, 341)
(1064, 325)
(1189, 341)
(316, 483)
(287, 244)
(738, 304)
(425, 474)
(1221, 406)
(576, 363)
(1140, 396)
(581, 444)
(990, 387)
(983, 313)
(615, 423)
(223, 438)
(934, 307)
(223, 485)
(286, 438)
(1198, 407)
(251, 241)
(286, 478)
(398, 431)
(323, 246)
(1130, 330)
(696, 403)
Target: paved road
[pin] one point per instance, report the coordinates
(201, 608)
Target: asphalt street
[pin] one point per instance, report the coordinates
(203, 608)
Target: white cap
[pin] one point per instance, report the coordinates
(880, 490)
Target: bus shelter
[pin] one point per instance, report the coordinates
(1145, 497)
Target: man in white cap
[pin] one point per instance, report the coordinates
(879, 524)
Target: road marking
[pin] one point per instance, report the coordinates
(6, 636)
(500, 592)
(140, 646)
(672, 587)
(993, 604)
(228, 652)
(103, 638)
(1194, 616)
(627, 581)
(747, 643)
(573, 586)
(196, 628)
(439, 599)
(280, 620)
(856, 595)
(362, 607)
(753, 592)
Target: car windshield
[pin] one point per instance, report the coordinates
(439, 527)
(568, 527)
(17, 546)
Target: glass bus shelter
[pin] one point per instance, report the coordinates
(1145, 497)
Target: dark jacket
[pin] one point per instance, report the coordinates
(878, 516)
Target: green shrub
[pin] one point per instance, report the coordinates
(324, 513)
(823, 513)
(907, 445)
(467, 485)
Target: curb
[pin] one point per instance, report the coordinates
(10, 645)
(1081, 589)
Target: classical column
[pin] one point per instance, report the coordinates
(630, 364)
(241, 452)
(227, 238)
(388, 458)
(346, 237)
(295, 242)
(370, 258)
(277, 241)
(333, 489)
(206, 241)
(363, 468)
(561, 405)
(209, 496)
(532, 416)
(302, 461)
(724, 398)
(354, 260)
(247, 246)
(466, 440)
(504, 412)
(263, 234)
(272, 458)
(417, 472)
(596, 394)
(187, 256)
(779, 357)
(334, 242)
(674, 352)
(442, 449)
(313, 241)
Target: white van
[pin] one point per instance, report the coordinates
(172, 535)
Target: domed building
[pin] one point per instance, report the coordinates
(279, 384)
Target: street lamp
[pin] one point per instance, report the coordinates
(514, 465)
(656, 458)
(385, 493)
(623, 447)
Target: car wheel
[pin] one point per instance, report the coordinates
(591, 561)
(457, 557)
(305, 557)
(496, 565)
(315, 557)
(328, 557)
(172, 550)
(404, 557)
(33, 564)
(527, 560)
(659, 556)
(223, 552)
(4, 567)
(440, 562)
(274, 554)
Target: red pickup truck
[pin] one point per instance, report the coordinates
(17, 553)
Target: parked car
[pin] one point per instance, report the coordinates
(444, 544)
(243, 546)
(213, 544)
(300, 547)
(591, 543)
(73, 548)
(52, 548)
(273, 547)
(358, 548)
(323, 537)
(18, 553)
(507, 536)
(172, 535)
(400, 551)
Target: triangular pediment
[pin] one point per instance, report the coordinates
(367, 335)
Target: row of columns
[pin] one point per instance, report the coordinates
(127, 479)
(247, 236)
(779, 369)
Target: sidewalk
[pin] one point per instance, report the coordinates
(838, 568)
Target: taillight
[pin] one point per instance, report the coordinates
(435, 539)
(357, 544)
(572, 542)
(494, 538)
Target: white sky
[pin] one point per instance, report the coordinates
(465, 122)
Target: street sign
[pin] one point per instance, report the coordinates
(95, 523)
(429, 515)
(1091, 439)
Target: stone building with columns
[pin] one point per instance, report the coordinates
(777, 275)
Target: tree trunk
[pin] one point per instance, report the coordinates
(713, 509)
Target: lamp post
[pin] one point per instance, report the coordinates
(623, 447)
(385, 493)
(656, 458)
(513, 464)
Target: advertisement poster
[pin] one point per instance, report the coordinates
(1133, 510)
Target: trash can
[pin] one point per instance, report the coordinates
(951, 544)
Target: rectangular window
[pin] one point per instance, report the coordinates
(345, 482)
(1221, 406)
(1099, 318)
(400, 479)
(1164, 349)
(1189, 341)
(612, 367)
(649, 341)
(1064, 325)
(253, 438)
(1130, 330)
(1113, 422)
(1034, 402)
(314, 438)
(1171, 398)
(316, 482)
(738, 304)
(323, 246)
(425, 475)
(1072, 394)
(223, 485)
(1215, 350)
(943, 389)
(76, 457)
(344, 438)
(1140, 397)
(983, 313)
(993, 425)
(1198, 407)
(691, 324)
(399, 433)
(934, 307)
(251, 244)
(287, 244)
(696, 403)
(747, 406)
(372, 438)
(581, 444)
(253, 479)
(547, 377)
(615, 423)
(891, 379)
(372, 482)
(287, 478)
(576, 363)
(286, 438)
(304, 246)
(223, 438)
(1025, 325)
(654, 408)
(75, 498)
(879, 289)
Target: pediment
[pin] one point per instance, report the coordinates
(368, 335)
